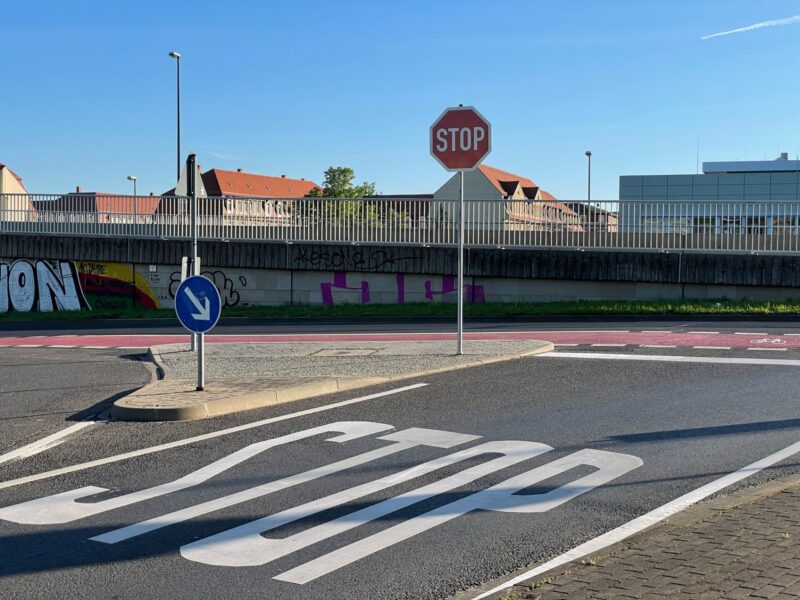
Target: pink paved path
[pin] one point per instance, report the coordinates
(640, 338)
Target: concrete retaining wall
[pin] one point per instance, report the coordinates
(123, 272)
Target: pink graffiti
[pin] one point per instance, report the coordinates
(472, 293)
(340, 283)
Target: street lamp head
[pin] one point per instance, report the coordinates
(174, 54)
(588, 153)
(131, 177)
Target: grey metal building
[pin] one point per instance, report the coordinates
(728, 197)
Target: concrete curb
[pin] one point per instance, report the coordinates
(143, 405)
(164, 372)
(703, 510)
(156, 401)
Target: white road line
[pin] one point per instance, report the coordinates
(202, 437)
(711, 347)
(59, 346)
(649, 519)
(44, 443)
(746, 333)
(669, 358)
(704, 332)
(608, 345)
(790, 334)
(770, 349)
(26, 346)
(655, 346)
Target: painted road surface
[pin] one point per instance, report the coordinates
(417, 492)
(712, 340)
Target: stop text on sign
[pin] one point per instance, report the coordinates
(460, 138)
(453, 138)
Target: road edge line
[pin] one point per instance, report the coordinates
(647, 520)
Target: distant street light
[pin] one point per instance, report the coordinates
(177, 58)
(589, 178)
(133, 179)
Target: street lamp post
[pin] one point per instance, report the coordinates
(135, 207)
(589, 178)
(177, 58)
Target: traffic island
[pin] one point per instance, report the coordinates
(247, 376)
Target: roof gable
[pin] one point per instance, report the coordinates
(507, 183)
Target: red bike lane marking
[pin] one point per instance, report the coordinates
(679, 339)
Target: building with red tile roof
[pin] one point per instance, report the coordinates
(238, 183)
(525, 204)
(99, 207)
(243, 197)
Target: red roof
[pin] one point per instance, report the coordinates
(219, 182)
(101, 202)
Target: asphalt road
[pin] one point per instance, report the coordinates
(42, 391)
(652, 431)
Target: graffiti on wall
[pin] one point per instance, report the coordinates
(228, 286)
(355, 260)
(27, 285)
(115, 285)
(338, 290)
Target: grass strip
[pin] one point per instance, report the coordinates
(430, 309)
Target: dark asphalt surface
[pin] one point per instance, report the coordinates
(44, 390)
(689, 423)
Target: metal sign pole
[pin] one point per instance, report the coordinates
(192, 192)
(201, 362)
(460, 310)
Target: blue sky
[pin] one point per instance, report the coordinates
(294, 87)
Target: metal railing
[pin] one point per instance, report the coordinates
(734, 226)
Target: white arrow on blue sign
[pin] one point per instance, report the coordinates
(197, 304)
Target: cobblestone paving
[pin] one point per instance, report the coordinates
(335, 359)
(748, 551)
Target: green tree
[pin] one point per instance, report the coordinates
(339, 184)
(353, 206)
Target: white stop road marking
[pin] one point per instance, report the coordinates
(245, 546)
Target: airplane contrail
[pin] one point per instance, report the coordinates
(773, 23)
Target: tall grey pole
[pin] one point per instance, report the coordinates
(460, 309)
(177, 58)
(589, 178)
(192, 193)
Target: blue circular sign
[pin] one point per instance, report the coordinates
(197, 304)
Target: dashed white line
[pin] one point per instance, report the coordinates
(711, 347)
(704, 332)
(748, 333)
(60, 346)
(656, 346)
(770, 349)
(26, 346)
(204, 436)
(44, 443)
(649, 519)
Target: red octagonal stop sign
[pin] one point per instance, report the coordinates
(461, 138)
